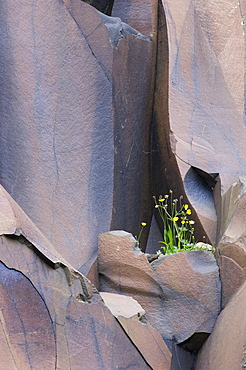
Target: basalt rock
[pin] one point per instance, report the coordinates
(148, 340)
(75, 116)
(231, 250)
(180, 293)
(141, 15)
(199, 92)
(225, 348)
(51, 317)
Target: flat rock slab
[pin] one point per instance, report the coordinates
(180, 293)
(148, 340)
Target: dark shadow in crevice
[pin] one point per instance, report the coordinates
(104, 6)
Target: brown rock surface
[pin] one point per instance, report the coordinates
(67, 75)
(138, 14)
(26, 330)
(231, 249)
(180, 293)
(51, 317)
(225, 348)
(131, 316)
(202, 89)
(232, 276)
(199, 93)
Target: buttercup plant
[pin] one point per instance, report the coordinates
(143, 224)
(178, 228)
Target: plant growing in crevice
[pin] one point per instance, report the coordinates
(143, 224)
(178, 227)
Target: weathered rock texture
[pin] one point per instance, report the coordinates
(132, 318)
(75, 115)
(78, 152)
(199, 93)
(141, 15)
(225, 348)
(180, 293)
(51, 317)
(231, 250)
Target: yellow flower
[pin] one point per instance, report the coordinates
(156, 206)
(161, 200)
(191, 222)
(143, 224)
(188, 211)
(182, 222)
(186, 206)
(175, 218)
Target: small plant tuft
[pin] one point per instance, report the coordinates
(178, 226)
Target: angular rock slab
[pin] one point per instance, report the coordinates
(232, 274)
(65, 81)
(231, 250)
(51, 317)
(225, 348)
(202, 89)
(180, 293)
(130, 315)
(26, 330)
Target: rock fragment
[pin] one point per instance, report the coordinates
(180, 293)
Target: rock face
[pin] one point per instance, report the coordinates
(203, 92)
(225, 348)
(51, 317)
(96, 113)
(180, 293)
(199, 92)
(132, 318)
(231, 250)
(27, 333)
(141, 15)
(66, 112)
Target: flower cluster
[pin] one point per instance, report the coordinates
(178, 228)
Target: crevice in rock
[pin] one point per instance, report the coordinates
(21, 239)
(104, 6)
(195, 342)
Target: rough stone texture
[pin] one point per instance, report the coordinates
(141, 15)
(122, 305)
(232, 275)
(131, 316)
(199, 92)
(180, 293)
(231, 250)
(225, 348)
(26, 330)
(51, 317)
(63, 149)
